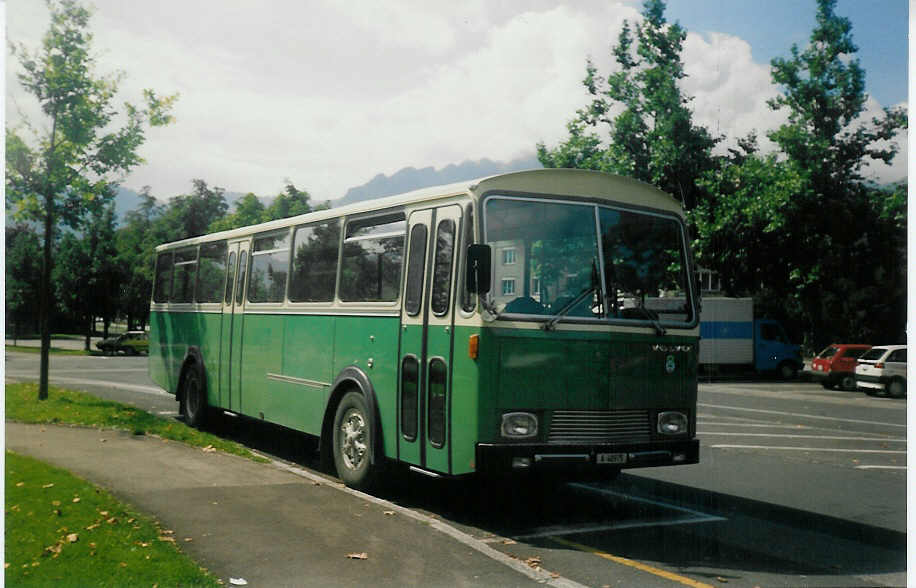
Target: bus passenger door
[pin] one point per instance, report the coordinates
(225, 342)
(233, 324)
(426, 339)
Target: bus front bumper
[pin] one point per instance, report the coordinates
(517, 457)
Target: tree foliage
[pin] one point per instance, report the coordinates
(649, 130)
(23, 272)
(801, 230)
(66, 162)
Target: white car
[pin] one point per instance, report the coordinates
(882, 370)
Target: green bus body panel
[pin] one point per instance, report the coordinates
(359, 339)
(538, 371)
(171, 335)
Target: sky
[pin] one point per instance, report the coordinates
(327, 94)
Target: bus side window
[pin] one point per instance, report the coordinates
(211, 272)
(314, 272)
(442, 271)
(416, 261)
(269, 266)
(373, 255)
(230, 279)
(240, 284)
(163, 288)
(185, 275)
(467, 300)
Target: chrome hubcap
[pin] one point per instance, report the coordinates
(353, 439)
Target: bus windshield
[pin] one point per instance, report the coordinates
(587, 261)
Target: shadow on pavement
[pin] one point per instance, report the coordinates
(754, 537)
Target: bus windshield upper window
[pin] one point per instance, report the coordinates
(633, 269)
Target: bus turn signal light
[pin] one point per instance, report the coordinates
(473, 346)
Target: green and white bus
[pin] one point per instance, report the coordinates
(538, 320)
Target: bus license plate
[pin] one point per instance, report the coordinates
(611, 458)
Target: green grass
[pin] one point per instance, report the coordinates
(63, 531)
(70, 407)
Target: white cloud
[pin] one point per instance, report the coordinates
(329, 93)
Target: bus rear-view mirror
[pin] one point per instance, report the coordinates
(478, 268)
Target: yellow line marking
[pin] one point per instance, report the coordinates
(633, 564)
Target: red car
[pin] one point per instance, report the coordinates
(836, 365)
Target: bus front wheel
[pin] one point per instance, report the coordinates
(353, 442)
(193, 396)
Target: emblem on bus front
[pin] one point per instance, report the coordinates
(669, 364)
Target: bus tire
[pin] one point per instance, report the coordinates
(193, 396)
(352, 442)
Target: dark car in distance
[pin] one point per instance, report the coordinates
(835, 366)
(130, 343)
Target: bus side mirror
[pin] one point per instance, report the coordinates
(478, 269)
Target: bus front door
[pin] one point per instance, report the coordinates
(427, 322)
(233, 322)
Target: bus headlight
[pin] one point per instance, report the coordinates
(672, 423)
(519, 425)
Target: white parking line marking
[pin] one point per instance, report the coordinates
(816, 449)
(785, 436)
(801, 415)
(561, 530)
(689, 517)
(875, 467)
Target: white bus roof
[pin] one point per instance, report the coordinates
(552, 181)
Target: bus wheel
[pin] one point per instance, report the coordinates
(193, 396)
(353, 442)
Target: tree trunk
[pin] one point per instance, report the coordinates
(45, 301)
(90, 326)
(107, 323)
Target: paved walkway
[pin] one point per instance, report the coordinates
(271, 524)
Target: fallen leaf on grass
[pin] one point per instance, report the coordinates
(48, 486)
(56, 548)
(20, 484)
(73, 537)
(362, 555)
(209, 449)
(77, 499)
(55, 502)
(164, 538)
(93, 526)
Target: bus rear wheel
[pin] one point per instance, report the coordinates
(352, 442)
(193, 396)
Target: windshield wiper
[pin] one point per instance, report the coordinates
(659, 329)
(595, 287)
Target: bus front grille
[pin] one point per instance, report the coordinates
(599, 426)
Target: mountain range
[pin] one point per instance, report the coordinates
(403, 180)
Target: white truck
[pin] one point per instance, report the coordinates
(731, 339)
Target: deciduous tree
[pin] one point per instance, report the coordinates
(649, 130)
(84, 144)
